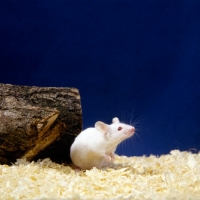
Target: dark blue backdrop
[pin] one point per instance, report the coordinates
(129, 58)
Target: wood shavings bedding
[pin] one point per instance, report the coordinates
(173, 176)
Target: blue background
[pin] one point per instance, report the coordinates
(137, 60)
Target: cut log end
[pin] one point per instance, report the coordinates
(35, 120)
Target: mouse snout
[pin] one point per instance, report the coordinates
(131, 130)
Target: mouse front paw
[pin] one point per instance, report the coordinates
(112, 156)
(107, 158)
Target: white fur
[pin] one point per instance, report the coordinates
(95, 147)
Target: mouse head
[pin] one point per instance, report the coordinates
(117, 131)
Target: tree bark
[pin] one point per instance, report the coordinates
(38, 122)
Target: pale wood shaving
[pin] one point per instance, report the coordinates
(173, 176)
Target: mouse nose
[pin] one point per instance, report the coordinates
(133, 129)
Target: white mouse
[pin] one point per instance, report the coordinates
(95, 147)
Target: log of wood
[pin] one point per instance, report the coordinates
(38, 122)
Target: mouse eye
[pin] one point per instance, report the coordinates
(119, 128)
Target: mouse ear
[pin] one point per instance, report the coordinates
(101, 127)
(115, 120)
